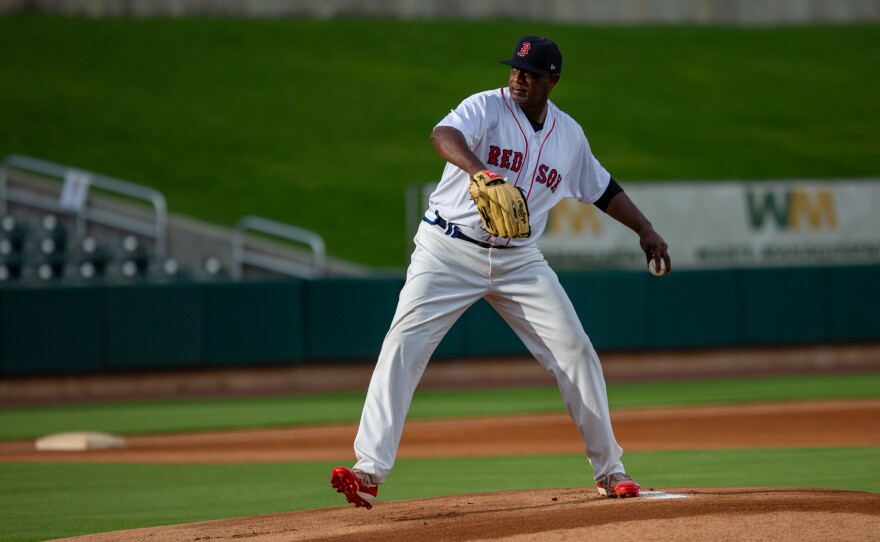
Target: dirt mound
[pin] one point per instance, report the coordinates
(556, 514)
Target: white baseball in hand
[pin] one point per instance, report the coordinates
(652, 267)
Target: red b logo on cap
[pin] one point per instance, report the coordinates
(525, 49)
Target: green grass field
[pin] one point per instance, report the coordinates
(85, 498)
(324, 123)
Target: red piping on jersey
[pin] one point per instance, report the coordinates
(525, 139)
(538, 160)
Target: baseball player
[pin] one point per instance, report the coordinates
(511, 156)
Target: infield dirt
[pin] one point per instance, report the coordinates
(556, 514)
(795, 424)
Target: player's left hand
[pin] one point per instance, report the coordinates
(656, 249)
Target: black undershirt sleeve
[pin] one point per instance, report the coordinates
(612, 190)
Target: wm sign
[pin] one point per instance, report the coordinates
(792, 209)
(727, 224)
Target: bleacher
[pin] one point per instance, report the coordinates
(42, 250)
(115, 231)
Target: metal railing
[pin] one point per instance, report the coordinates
(242, 256)
(416, 203)
(156, 228)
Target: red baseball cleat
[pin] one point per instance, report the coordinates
(357, 486)
(618, 485)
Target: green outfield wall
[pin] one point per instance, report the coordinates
(135, 327)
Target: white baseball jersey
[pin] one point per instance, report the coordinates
(548, 165)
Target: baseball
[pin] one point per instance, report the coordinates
(652, 267)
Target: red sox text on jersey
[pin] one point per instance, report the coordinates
(513, 161)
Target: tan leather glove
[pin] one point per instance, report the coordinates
(502, 206)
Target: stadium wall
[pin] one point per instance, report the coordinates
(744, 12)
(70, 330)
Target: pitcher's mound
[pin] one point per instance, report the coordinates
(557, 514)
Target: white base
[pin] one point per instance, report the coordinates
(79, 441)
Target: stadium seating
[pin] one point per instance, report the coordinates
(12, 238)
(119, 232)
(43, 252)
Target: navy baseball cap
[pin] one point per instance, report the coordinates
(536, 55)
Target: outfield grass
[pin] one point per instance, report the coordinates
(300, 121)
(49, 500)
(188, 415)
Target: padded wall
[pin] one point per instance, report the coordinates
(46, 330)
(260, 322)
(59, 330)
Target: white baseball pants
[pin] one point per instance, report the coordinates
(445, 277)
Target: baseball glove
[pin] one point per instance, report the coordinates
(502, 206)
